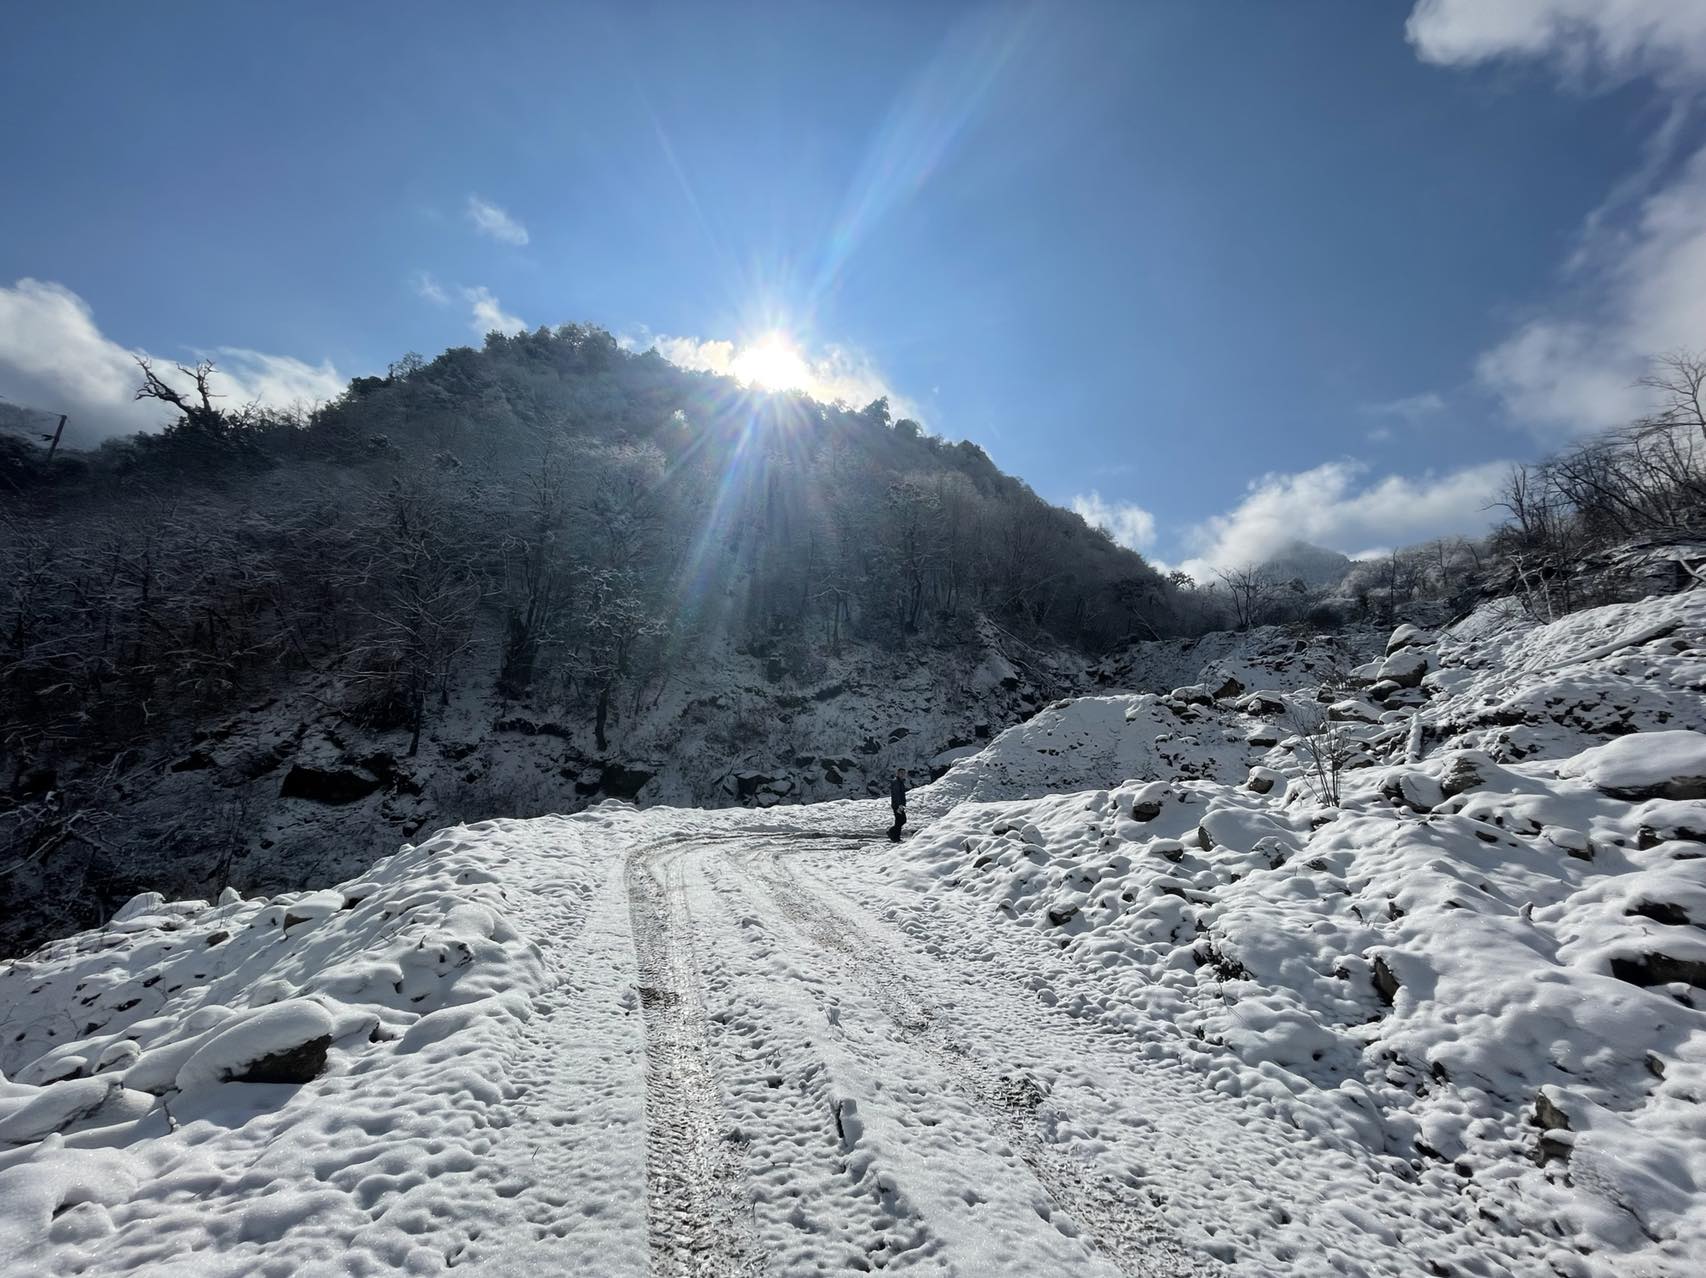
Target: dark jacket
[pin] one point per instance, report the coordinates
(897, 793)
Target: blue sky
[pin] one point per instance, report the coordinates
(1221, 272)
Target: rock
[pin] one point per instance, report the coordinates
(284, 1043)
(139, 906)
(313, 908)
(333, 786)
(748, 784)
(1385, 981)
(1146, 802)
(1352, 711)
(1228, 687)
(1262, 703)
(1662, 820)
(898, 734)
(1168, 850)
(1408, 636)
(1263, 781)
(1574, 842)
(1464, 770)
(120, 1055)
(1404, 668)
(194, 761)
(1659, 968)
(1666, 912)
(1063, 915)
(1411, 789)
(1552, 1121)
(57, 1107)
(624, 781)
(1645, 765)
(1381, 689)
(1263, 738)
(1193, 695)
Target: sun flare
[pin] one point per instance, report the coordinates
(772, 363)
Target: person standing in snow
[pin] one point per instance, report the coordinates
(897, 801)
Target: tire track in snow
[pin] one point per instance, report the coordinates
(694, 1219)
(1122, 1229)
(824, 1202)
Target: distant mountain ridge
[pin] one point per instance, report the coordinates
(1315, 566)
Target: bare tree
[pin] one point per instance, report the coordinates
(1324, 745)
(1678, 380)
(1251, 588)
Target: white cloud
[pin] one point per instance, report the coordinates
(53, 356)
(492, 221)
(1410, 408)
(276, 379)
(1334, 505)
(1576, 369)
(1636, 283)
(1127, 523)
(1610, 37)
(430, 289)
(486, 314)
(834, 374)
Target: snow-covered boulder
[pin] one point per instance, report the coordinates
(1265, 704)
(1265, 781)
(284, 1043)
(1405, 667)
(1409, 636)
(313, 908)
(1647, 765)
(29, 1113)
(1350, 710)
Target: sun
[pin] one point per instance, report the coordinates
(773, 364)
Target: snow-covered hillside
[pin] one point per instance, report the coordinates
(289, 793)
(1139, 998)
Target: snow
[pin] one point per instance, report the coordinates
(1136, 998)
(1673, 763)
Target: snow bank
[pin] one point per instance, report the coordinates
(1488, 962)
(271, 1084)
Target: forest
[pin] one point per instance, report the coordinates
(602, 510)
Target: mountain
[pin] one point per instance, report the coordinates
(257, 648)
(1314, 565)
(1392, 974)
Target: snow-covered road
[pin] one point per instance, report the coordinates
(833, 1083)
(821, 1097)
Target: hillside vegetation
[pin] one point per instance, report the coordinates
(551, 533)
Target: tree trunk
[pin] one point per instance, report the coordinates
(417, 707)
